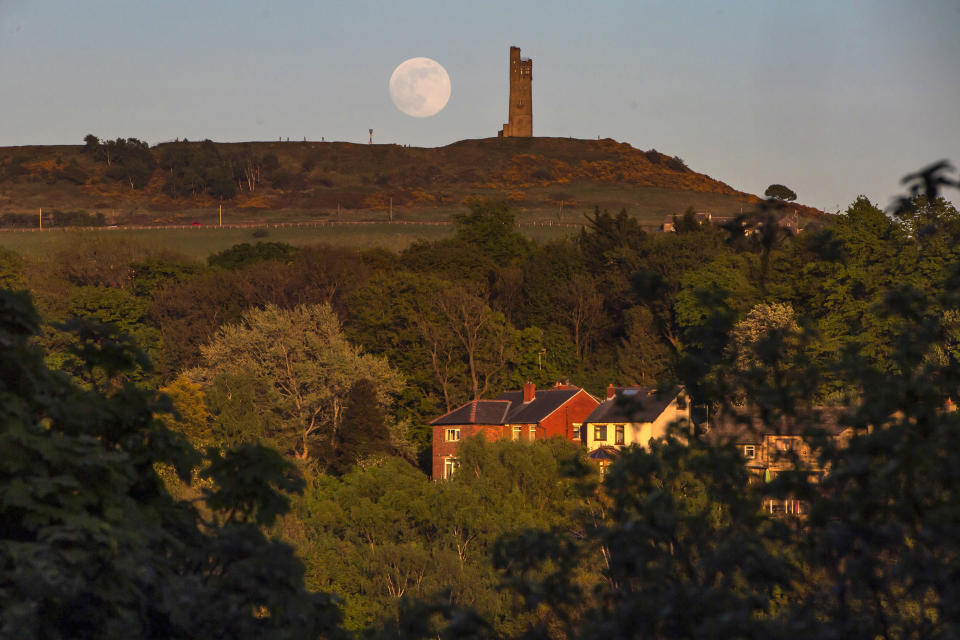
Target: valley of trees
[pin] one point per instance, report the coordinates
(239, 447)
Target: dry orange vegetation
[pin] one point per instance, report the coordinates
(536, 173)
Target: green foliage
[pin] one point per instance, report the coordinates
(606, 236)
(128, 159)
(687, 223)
(394, 545)
(491, 227)
(780, 192)
(240, 255)
(99, 261)
(365, 432)
(91, 543)
(194, 169)
(301, 369)
(11, 270)
(150, 274)
(189, 311)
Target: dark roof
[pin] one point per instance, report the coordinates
(476, 412)
(604, 453)
(630, 404)
(509, 408)
(743, 425)
(544, 402)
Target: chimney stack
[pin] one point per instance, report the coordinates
(529, 391)
(611, 391)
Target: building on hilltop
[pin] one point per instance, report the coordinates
(526, 415)
(520, 111)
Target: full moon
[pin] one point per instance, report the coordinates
(420, 87)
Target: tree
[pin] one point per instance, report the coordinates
(483, 335)
(581, 305)
(302, 366)
(687, 223)
(99, 260)
(189, 310)
(780, 192)
(91, 542)
(762, 323)
(491, 227)
(365, 430)
(240, 255)
(642, 355)
(128, 159)
(90, 142)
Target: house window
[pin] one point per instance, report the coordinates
(450, 465)
(533, 432)
(750, 451)
(786, 444)
(619, 436)
(600, 432)
(517, 432)
(576, 432)
(452, 435)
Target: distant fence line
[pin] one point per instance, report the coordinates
(272, 225)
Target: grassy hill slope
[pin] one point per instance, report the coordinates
(301, 181)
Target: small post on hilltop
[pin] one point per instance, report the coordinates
(338, 209)
(41, 218)
(560, 215)
(391, 209)
(221, 215)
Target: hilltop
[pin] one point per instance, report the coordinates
(129, 182)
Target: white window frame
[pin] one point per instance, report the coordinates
(619, 434)
(450, 466)
(532, 432)
(517, 433)
(451, 435)
(596, 433)
(750, 451)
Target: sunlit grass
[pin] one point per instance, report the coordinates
(200, 242)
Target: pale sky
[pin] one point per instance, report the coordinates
(832, 98)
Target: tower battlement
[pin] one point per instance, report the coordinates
(520, 109)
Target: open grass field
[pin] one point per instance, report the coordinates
(200, 242)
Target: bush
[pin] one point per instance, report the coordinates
(19, 220)
(78, 219)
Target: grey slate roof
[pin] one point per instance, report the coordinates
(476, 412)
(630, 404)
(509, 408)
(545, 402)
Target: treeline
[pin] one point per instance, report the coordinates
(191, 168)
(56, 217)
(337, 360)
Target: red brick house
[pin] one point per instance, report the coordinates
(518, 415)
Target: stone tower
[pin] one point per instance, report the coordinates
(520, 112)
